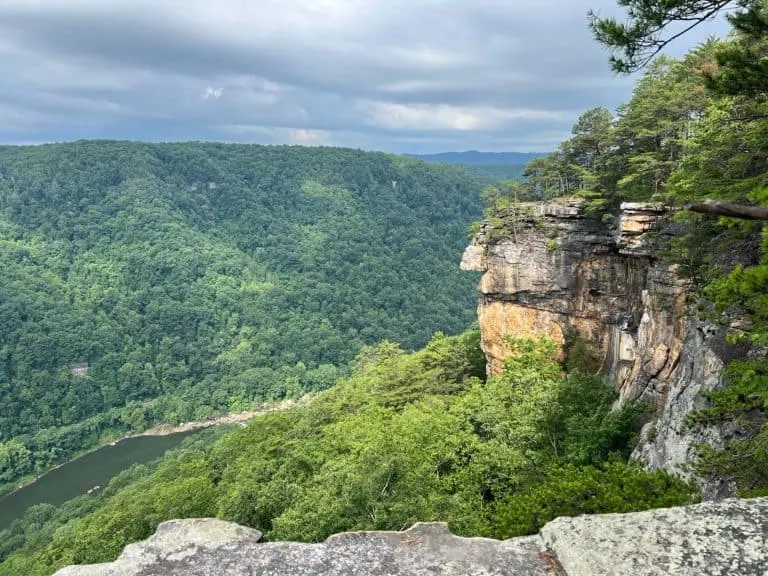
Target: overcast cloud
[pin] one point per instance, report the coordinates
(397, 75)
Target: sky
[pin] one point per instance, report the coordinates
(416, 76)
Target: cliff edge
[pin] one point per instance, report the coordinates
(552, 270)
(727, 537)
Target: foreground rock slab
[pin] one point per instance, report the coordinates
(724, 538)
(423, 550)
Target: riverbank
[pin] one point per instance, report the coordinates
(164, 429)
(234, 418)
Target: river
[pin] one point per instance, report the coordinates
(93, 469)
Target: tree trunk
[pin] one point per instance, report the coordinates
(721, 208)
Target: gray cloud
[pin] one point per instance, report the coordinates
(401, 75)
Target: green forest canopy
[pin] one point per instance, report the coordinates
(191, 279)
(406, 438)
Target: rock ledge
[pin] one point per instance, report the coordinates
(727, 537)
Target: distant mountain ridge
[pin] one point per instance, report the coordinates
(491, 166)
(476, 158)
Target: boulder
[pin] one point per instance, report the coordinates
(714, 538)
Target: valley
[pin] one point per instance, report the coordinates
(299, 354)
(148, 284)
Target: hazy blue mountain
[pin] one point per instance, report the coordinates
(491, 166)
(476, 158)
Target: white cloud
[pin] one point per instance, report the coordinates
(303, 136)
(396, 74)
(211, 92)
(284, 134)
(444, 117)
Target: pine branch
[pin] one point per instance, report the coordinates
(658, 45)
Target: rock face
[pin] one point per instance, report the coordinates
(728, 537)
(553, 271)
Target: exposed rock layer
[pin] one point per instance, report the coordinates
(553, 271)
(728, 537)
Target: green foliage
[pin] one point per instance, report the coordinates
(582, 429)
(633, 155)
(745, 291)
(568, 171)
(686, 254)
(40, 523)
(195, 279)
(552, 245)
(571, 491)
(742, 405)
(580, 354)
(405, 438)
(508, 211)
(725, 157)
(655, 124)
(651, 25)
(742, 66)
(743, 461)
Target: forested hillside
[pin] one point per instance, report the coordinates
(695, 130)
(407, 437)
(147, 282)
(476, 158)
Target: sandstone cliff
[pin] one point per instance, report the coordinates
(552, 270)
(728, 537)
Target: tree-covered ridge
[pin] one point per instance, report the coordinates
(196, 278)
(491, 166)
(694, 131)
(477, 158)
(406, 438)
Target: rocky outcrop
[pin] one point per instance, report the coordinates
(180, 548)
(551, 270)
(728, 537)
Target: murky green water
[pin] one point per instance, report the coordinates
(82, 474)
